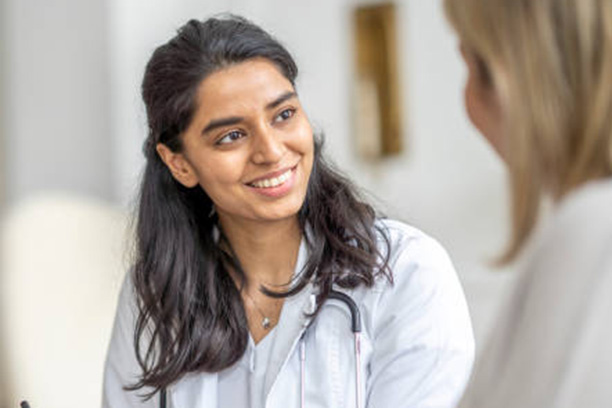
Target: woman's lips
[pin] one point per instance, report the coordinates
(276, 185)
(272, 181)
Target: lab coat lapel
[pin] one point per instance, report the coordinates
(292, 323)
(195, 391)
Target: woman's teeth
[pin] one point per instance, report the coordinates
(273, 182)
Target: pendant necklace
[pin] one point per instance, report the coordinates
(265, 321)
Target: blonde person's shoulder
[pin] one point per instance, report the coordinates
(582, 222)
(593, 199)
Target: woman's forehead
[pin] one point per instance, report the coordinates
(252, 83)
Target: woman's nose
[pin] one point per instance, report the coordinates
(268, 147)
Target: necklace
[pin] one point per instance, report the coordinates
(265, 321)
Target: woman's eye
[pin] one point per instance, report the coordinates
(230, 137)
(284, 115)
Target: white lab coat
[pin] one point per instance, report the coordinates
(552, 346)
(417, 342)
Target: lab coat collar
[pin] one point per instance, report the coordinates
(294, 320)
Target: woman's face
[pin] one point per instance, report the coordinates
(481, 101)
(249, 145)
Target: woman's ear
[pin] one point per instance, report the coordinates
(179, 166)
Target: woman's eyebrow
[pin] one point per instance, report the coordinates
(217, 123)
(285, 96)
(234, 120)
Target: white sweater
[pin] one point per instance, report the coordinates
(552, 345)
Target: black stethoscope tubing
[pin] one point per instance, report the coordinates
(355, 328)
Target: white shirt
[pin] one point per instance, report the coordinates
(247, 374)
(417, 344)
(552, 346)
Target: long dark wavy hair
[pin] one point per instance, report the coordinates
(190, 313)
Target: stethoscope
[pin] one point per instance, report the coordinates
(355, 328)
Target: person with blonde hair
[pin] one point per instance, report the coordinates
(539, 89)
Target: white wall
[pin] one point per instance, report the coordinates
(3, 33)
(57, 97)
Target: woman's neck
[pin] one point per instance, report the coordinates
(267, 250)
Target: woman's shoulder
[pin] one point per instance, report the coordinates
(589, 202)
(420, 268)
(580, 225)
(424, 292)
(573, 244)
(408, 245)
(399, 228)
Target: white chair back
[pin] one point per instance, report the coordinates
(62, 261)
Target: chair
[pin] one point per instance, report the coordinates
(61, 266)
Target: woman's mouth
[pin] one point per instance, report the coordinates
(279, 185)
(272, 181)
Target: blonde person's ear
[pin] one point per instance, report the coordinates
(179, 166)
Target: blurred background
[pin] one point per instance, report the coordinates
(71, 129)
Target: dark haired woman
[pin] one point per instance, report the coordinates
(253, 255)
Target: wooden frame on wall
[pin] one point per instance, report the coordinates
(378, 105)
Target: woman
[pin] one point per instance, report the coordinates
(249, 245)
(539, 89)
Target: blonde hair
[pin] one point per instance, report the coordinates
(550, 62)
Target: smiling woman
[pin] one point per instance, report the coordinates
(249, 145)
(252, 251)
